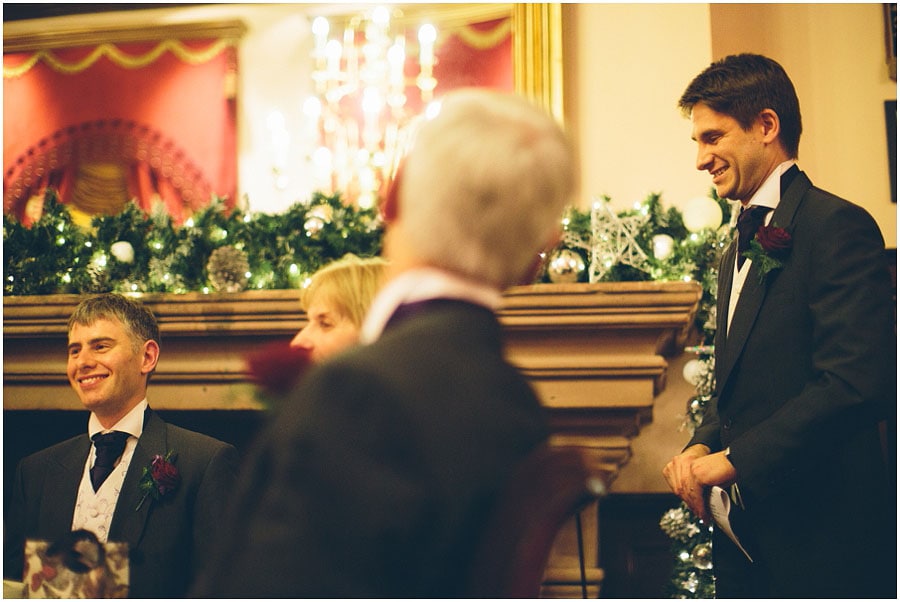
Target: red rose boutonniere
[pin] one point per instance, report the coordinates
(160, 478)
(768, 249)
(275, 368)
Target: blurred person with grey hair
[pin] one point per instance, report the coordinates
(378, 476)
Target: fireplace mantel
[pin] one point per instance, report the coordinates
(555, 332)
(596, 353)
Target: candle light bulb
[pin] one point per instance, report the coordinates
(427, 34)
(427, 37)
(333, 51)
(381, 17)
(320, 29)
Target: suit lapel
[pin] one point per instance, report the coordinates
(748, 305)
(723, 299)
(791, 199)
(62, 482)
(753, 293)
(128, 522)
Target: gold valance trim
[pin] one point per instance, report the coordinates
(27, 36)
(484, 39)
(120, 58)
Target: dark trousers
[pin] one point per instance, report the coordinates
(853, 572)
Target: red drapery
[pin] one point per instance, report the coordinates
(460, 64)
(171, 122)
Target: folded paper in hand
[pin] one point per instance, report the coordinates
(720, 508)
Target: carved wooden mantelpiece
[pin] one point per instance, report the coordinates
(596, 354)
(585, 347)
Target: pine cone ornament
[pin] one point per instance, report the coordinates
(227, 269)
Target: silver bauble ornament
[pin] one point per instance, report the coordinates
(316, 218)
(122, 251)
(701, 556)
(313, 226)
(663, 246)
(323, 212)
(692, 371)
(691, 583)
(565, 265)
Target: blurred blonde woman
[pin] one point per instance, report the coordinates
(336, 301)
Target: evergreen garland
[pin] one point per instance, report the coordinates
(694, 254)
(41, 259)
(135, 252)
(55, 255)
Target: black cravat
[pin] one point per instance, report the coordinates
(749, 221)
(109, 447)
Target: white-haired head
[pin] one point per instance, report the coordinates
(484, 185)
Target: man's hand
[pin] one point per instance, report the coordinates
(679, 474)
(714, 469)
(693, 472)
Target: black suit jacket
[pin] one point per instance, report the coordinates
(376, 477)
(168, 539)
(805, 373)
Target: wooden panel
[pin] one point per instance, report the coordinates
(635, 552)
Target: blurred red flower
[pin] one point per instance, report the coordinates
(276, 367)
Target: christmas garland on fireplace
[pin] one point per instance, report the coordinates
(216, 250)
(225, 250)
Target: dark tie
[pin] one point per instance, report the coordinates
(749, 221)
(109, 447)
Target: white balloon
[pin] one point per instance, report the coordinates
(700, 213)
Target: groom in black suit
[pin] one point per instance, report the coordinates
(377, 477)
(805, 354)
(113, 349)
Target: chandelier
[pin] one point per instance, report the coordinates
(362, 104)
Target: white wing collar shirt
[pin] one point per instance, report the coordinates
(94, 511)
(422, 285)
(768, 195)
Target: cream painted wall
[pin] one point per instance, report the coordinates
(626, 66)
